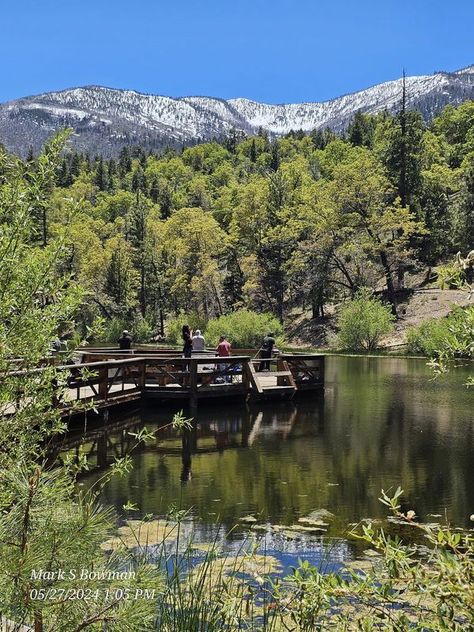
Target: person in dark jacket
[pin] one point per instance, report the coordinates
(187, 336)
(125, 341)
(187, 341)
(266, 351)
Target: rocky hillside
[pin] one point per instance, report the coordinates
(105, 119)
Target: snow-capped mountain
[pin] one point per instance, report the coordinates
(106, 119)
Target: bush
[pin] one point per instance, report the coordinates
(428, 337)
(244, 329)
(140, 329)
(362, 323)
(174, 326)
(452, 336)
(114, 328)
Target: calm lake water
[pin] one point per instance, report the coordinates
(382, 422)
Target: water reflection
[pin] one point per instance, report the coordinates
(382, 423)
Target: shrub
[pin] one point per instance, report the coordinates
(113, 329)
(451, 336)
(362, 323)
(140, 329)
(243, 328)
(174, 326)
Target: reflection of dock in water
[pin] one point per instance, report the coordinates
(217, 431)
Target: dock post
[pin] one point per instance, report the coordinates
(245, 377)
(103, 382)
(193, 384)
(142, 376)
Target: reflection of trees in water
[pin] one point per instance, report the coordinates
(390, 424)
(379, 427)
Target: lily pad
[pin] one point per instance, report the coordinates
(205, 547)
(248, 519)
(371, 553)
(261, 527)
(312, 523)
(221, 570)
(143, 534)
(306, 528)
(318, 515)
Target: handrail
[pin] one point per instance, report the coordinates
(130, 378)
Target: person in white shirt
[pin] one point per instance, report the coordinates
(199, 343)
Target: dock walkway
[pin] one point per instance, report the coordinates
(109, 378)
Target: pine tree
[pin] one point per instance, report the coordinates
(253, 151)
(466, 237)
(100, 179)
(360, 132)
(275, 160)
(125, 160)
(154, 191)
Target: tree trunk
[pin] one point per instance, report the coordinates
(389, 281)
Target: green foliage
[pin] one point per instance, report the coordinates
(362, 323)
(45, 523)
(174, 326)
(400, 588)
(243, 328)
(139, 327)
(255, 224)
(142, 330)
(452, 336)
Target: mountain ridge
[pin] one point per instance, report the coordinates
(105, 119)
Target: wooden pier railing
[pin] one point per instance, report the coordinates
(126, 378)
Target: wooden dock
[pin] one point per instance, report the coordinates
(110, 378)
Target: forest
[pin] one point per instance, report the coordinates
(270, 225)
(253, 226)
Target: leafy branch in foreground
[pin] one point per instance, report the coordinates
(49, 532)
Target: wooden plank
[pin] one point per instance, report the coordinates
(287, 373)
(283, 364)
(253, 377)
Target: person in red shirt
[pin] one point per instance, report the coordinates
(223, 351)
(223, 348)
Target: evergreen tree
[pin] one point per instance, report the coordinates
(111, 173)
(139, 180)
(75, 165)
(154, 190)
(65, 178)
(100, 178)
(361, 130)
(466, 234)
(125, 161)
(253, 151)
(275, 160)
(165, 200)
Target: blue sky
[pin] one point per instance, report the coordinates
(274, 51)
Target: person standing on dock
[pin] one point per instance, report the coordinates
(125, 341)
(199, 344)
(223, 351)
(266, 351)
(187, 344)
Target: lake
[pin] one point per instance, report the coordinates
(383, 422)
